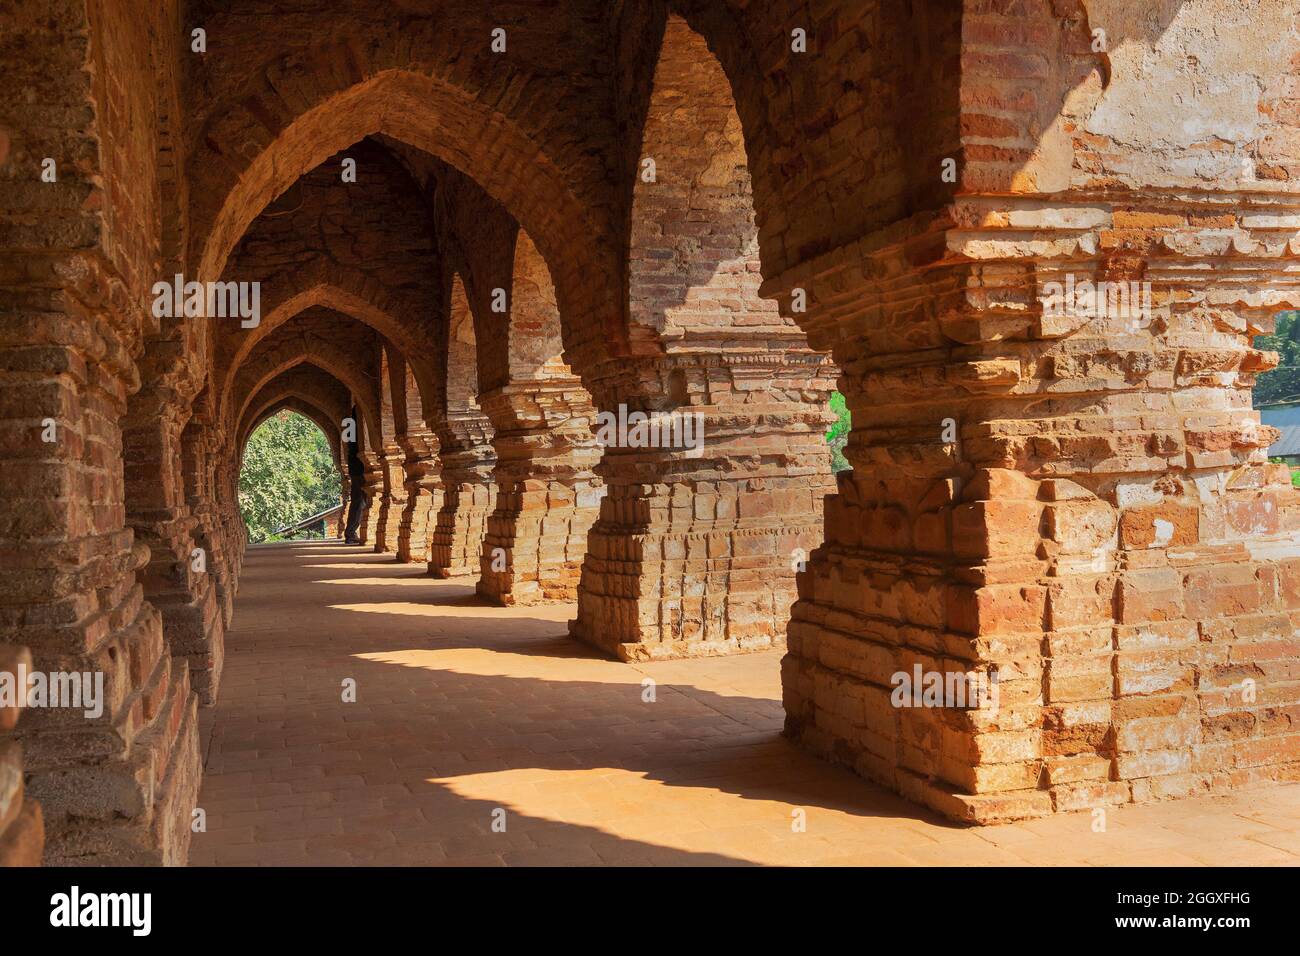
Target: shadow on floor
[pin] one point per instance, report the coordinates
(464, 710)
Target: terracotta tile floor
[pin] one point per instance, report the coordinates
(466, 715)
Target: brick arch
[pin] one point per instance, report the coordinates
(310, 386)
(822, 188)
(442, 118)
(176, 349)
(309, 411)
(460, 374)
(693, 270)
(533, 335)
(324, 283)
(277, 357)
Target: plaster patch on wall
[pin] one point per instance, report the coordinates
(1164, 533)
(1187, 74)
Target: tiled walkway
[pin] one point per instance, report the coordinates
(469, 717)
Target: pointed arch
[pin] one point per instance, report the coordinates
(402, 320)
(435, 115)
(339, 362)
(693, 271)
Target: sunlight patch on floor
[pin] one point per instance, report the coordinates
(412, 581)
(482, 662)
(557, 613)
(693, 819)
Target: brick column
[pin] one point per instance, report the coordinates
(469, 494)
(390, 502)
(694, 554)
(373, 482)
(119, 787)
(423, 494)
(548, 495)
(182, 590)
(208, 533)
(22, 829)
(1077, 502)
(230, 526)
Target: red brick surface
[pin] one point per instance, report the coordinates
(1102, 528)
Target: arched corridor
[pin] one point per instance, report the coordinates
(568, 288)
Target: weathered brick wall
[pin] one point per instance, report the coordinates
(219, 526)
(171, 373)
(78, 256)
(176, 579)
(1103, 531)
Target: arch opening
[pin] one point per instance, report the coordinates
(289, 480)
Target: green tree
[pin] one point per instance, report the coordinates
(1284, 381)
(288, 473)
(838, 436)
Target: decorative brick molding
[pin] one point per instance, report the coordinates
(547, 494)
(696, 556)
(422, 477)
(1100, 526)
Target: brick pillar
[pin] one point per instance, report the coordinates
(177, 581)
(345, 496)
(390, 502)
(548, 495)
(201, 496)
(230, 526)
(373, 483)
(694, 553)
(423, 494)
(1078, 502)
(22, 830)
(118, 788)
(469, 494)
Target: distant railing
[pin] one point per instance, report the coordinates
(289, 530)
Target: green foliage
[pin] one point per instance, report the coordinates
(288, 474)
(1284, 381)
(1295, 471)
(838, 436)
